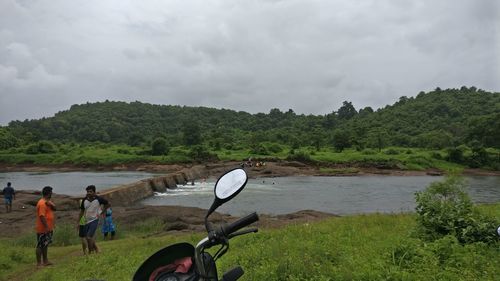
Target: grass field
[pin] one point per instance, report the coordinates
(361, 247)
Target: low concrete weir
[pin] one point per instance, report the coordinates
(128, 194)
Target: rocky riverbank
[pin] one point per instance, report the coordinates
(176, 218)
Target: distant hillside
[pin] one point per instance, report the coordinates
(437, 119)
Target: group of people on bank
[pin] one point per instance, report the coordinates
(93, 208)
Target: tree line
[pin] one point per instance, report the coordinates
(450, 118)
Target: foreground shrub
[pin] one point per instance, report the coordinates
(444, 208)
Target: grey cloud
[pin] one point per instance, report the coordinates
(245, 55)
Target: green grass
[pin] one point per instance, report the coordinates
(362, 247)
(109, 155)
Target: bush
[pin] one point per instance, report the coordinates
(299, 156)
(40, 147)
(199, 153)
(455, 155)
(258, 149)
(369, 151)
(436, 155)
(444, 208)
(275, 148)
(123, 151)
(159, 147)
(479, 157)
(391, 151)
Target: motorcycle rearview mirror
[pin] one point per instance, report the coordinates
(226, 188)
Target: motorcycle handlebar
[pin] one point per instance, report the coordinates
(239, 224)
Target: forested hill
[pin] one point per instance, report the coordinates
(437, 119)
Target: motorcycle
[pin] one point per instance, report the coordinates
(183, 261)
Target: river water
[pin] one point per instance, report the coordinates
(338, 195)
(71, 183)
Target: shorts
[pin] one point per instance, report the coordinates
(43, 239)
(90, 228)
(8, 201)
(81, 231)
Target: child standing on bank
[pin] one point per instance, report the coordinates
(107, 225)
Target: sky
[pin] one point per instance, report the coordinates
(252, 55)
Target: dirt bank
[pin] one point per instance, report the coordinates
(177, 219)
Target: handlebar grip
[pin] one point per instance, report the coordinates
(239, 224)
(233, 274)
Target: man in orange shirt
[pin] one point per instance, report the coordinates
(44, 226)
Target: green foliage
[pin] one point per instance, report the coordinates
(455, 155)
(200, 153)
(346, 111)
(258, 149)
(444, 208)
(300, 156)
(159, 147)
(479, 156)
(191, 133)
(435, 120)
(7, 139)
(41, 147)
(391, 151)
(341, 140)
(275, 148)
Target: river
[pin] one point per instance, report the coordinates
(338, 195)
(71, 183)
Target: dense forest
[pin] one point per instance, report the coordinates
(451, 118)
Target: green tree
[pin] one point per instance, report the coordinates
(341, 140)
(346, 111)
(159, 147)
(7, 139)
(191, 133)
(135, 139)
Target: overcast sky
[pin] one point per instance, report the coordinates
(251, 55)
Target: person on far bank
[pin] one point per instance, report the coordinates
(91, 208)
(8, 195)
(44, 226)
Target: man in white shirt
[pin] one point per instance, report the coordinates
(91, 208)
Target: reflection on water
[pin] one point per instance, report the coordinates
(339, 195)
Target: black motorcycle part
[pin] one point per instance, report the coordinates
(210, 267)
(233, 274)
(161, 258)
